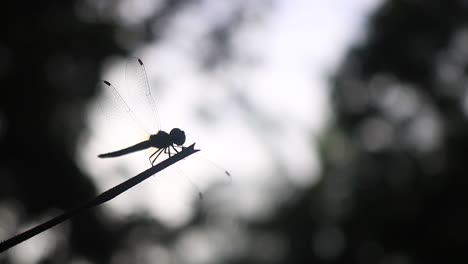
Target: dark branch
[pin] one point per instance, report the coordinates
(100, 199)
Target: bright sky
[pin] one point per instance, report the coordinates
(260, 138)
(296, 45)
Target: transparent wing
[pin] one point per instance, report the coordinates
(122, 127)
(202, 173)
(137, 94)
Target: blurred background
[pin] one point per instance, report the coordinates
(343, 124)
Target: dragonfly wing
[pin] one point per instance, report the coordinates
(116, 116)
(138, 95)
(202, 173)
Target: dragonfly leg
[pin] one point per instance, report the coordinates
(154, 153)
(154, 160)
(176, 146)
(158, 152)
(169, 151)
(174, 149)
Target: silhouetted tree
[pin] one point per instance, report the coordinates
(393, 186)
(395, 157)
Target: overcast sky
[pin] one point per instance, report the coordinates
(266, 140)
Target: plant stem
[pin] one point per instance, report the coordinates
(100, 199)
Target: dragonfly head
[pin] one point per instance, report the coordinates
(177, 136)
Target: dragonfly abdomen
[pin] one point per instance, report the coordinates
(137, 147)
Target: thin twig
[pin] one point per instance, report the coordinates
(100, 199)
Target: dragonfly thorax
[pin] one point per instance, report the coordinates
(164, 140)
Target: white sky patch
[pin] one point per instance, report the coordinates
(132, 12)
(297, 45)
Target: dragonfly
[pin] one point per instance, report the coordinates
(137, 105)
(162, 141)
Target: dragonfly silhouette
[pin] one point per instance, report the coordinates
(139, 92)
(162, 140)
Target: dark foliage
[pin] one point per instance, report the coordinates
(394, 179)
(395, 160)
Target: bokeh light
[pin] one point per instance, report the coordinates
(251, 112)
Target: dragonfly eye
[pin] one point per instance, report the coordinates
(178, 136)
